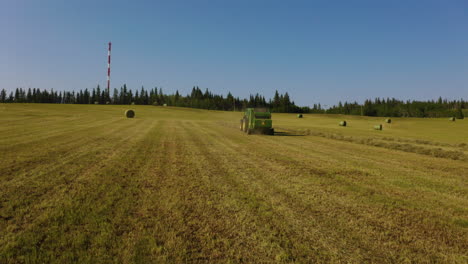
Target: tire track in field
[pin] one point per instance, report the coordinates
(35, 169)
(154, 237)
(181, 206)
(351, 210)
(62, 209)
(268, 142)
(37, 125)
(189, 227)
(434, 183)
(36, 132)
(441, 228)
(449, 182)
(22, 197)
(59, 151)
(231, 228)
(238, 183)
(303, 149)
(192, 224)
(118, 197)
(21, 158)
(282, 207)
(54, 139)
(408, 213)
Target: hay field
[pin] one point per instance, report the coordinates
(84, 184)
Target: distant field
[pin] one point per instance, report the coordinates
(81, 183)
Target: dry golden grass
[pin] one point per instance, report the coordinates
(85, 184)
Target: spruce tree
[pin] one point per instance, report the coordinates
(142, 96)
(459, 114)
(115, 97)
(98, 95)
(3, 96)
(286, 103)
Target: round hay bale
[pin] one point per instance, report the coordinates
(388, 121)
(133, 103)
(343, 123)
(164, 105)
(107, 102)
(96, 102)
(130, 113)
(299, 115)
(378, 127)
(452, 119)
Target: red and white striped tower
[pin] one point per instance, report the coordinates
(108, 69)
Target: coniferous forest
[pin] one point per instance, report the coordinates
(281, 103)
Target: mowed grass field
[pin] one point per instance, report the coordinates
(81, 183)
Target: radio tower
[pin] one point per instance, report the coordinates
(108, 69)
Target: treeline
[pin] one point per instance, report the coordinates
(398, 108)
(281, 103)
(196, 99)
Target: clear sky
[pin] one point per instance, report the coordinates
(317, 51)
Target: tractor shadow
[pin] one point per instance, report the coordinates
(288, 134)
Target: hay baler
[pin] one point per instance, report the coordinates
(257, 120)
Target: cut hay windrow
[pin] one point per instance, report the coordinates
(378, 127)
(343, 123)
(183, 173)
(130, 113)
(388, 121)
(299, 116)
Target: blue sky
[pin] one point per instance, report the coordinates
(317, 51)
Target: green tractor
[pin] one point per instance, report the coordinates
(257, 120)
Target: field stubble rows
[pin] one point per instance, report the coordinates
(196, 189)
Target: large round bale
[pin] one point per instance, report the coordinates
(452, 119)
(378, 127)
(130, 113)
(299, 115)
(388, 121)
(343, 123)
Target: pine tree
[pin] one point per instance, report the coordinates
(3, 96)
(103, 97)
(177, 96)
(116, 97)
(124, 95)
(161, 97)
(286, 103)
(130, 96)
(276, 101)
(142, 96)
(146, 98)
(459, 114)
(98, 95)
(93, 96)
(137, 98)
(29, 96)
(16, 95)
